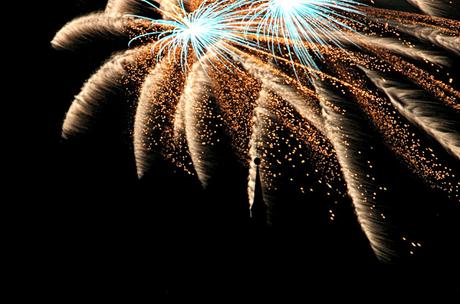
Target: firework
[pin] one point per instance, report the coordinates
(314, 79)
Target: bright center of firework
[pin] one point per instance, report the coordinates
(286, 6)
(207, 30)
(195, 30)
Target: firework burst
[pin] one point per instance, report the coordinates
(208, 68)
(299, 25)
(206, 30)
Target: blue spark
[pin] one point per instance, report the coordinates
(299, 25)
(208, 30)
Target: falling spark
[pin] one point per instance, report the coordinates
(104, 85)
(430, 7)
(428, 115)
(342, 126)
(435, 36)
(197, 99)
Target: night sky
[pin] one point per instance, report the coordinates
(98, 230)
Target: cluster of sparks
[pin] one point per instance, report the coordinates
(305, 85)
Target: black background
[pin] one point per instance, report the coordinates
(91, 228)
